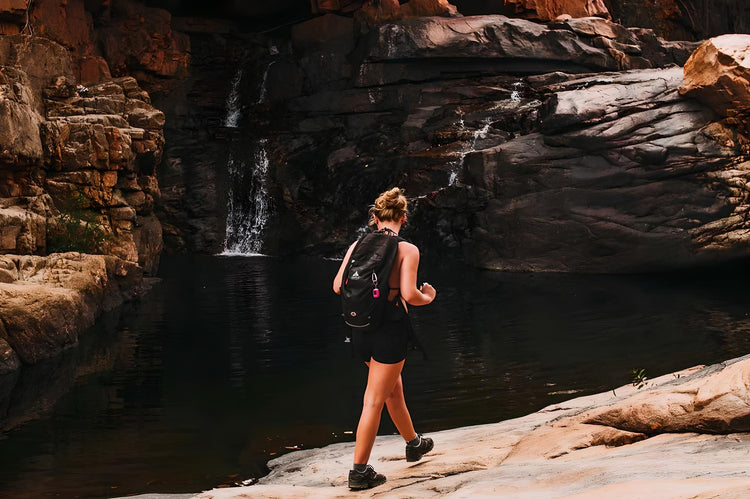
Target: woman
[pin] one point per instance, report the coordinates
(384, 350)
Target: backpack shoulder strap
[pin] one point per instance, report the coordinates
(348, 267)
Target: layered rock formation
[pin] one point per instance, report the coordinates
(515, 162)
(623, 175)
(684, 435)
(46, 302)
(76, 157)
(77, 170)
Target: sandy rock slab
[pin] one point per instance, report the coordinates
(45, 302)
(717, 74)
(602, 445)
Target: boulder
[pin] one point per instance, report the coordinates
(718, 74)
(714, 401)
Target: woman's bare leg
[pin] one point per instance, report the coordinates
(381, 380)
(399, 413)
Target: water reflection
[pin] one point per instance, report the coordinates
(232, 360)
(248, 296)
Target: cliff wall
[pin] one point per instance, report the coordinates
(80, 143)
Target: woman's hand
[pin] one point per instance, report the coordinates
(427, 290)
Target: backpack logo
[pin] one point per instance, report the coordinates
(355, 275)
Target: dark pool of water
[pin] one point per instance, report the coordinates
(230, 361)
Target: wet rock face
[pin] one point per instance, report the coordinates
(12, 15)
(193, 175)
(622, 175)
(513, 161)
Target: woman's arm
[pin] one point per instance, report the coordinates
(340, 273)
(409, 266)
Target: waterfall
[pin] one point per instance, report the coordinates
(515, 94)
(457, 166)
(234, 110)
(248, 206)
(262, 96)
(273, 50)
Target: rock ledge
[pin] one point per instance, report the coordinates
(605, 445)
(45, 302)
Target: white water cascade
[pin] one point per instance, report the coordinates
(248, 206)
(515, 100)
(457, 165)
(515, 94)
(234, 109)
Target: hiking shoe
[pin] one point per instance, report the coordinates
(415, 452)
(366, 479)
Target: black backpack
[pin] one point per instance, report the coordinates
(364, 287)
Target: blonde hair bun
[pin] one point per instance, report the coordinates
(390, 206)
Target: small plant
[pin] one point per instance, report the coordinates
(639, 378)
(77, 228)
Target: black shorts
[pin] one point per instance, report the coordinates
(387, 344)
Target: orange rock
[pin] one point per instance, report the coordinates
(67, 23)
(376, 12)
(547, 10)
(93, 69)
(15, 8)
(9, 28)
(381, 11)
(425, 8)
(326, 5)
(718, 74)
